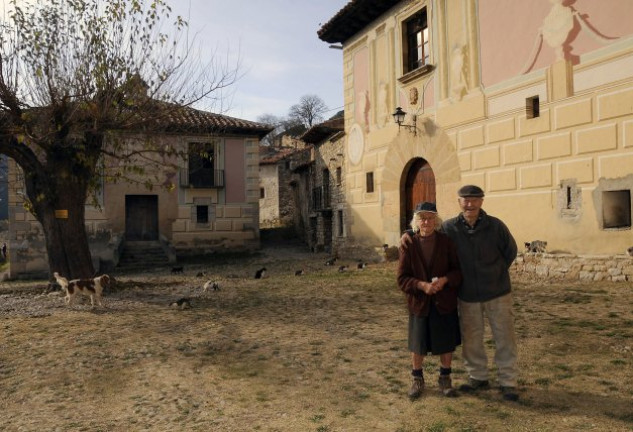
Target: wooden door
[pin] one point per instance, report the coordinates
(419, 187)
(141, 217)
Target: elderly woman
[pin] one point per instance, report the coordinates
(429, 275)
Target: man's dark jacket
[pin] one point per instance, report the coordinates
(485, 255)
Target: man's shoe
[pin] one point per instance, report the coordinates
(509, 394)
(446, 386)
(474, 385)
(417, 387)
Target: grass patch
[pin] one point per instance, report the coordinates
(323, 352)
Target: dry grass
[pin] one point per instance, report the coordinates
(322, 352)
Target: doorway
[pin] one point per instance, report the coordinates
(419, 186)
(141, 217)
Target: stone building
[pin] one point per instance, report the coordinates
(319, 187)
(529, 100)
(276, 199)
(212, 206)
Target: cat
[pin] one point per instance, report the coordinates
(261, 273)
(182, 303)
(211, 285)
(536, 246)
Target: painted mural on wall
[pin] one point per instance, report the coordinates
(362, 102)
(560, 29)
(547, 31)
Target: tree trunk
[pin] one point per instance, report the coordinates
(67, 241)
(60, 210)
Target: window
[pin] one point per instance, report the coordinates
(569, 201)
(416, 42)
(202, 214)
(370, 182)
(326, 188)
(338, 176)
(262, 193)
(201, 169)
(532, 108)
(339, 220)
(616, 209)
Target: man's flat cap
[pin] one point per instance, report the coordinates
(470, 191)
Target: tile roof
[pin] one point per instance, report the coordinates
(187, 119)
(157, 116)
(272, 155)
(323, 130)
(354, 17)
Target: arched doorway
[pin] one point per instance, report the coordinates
(419, 186)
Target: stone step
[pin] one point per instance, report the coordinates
(141, 255)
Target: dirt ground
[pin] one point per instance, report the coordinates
(325, 351)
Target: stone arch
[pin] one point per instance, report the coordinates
(430, 143)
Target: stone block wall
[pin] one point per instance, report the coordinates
(615, 268)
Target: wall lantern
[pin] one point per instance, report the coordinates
(399, 117)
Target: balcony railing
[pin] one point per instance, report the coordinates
(202, 178)
(320, 198)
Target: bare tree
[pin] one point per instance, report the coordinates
(76, 76)
(272, 121)
(281, 126)
(309, 111)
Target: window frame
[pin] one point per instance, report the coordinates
(532, 107)
(196, 206)
(200, 171)
(369, 182)
(416, 42)
(206, 210)
(409, 73)
(340, 220)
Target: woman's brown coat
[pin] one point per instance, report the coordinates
(411, 272)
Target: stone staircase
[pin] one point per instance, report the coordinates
(142, 255)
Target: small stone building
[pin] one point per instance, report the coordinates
(276, 203)
(211, 204)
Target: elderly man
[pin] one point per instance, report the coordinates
(486, 250)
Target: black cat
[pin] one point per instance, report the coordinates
(261, 273)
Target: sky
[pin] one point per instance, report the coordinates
(281, 55)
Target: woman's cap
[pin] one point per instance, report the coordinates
(426, 207)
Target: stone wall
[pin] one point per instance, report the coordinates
(269, 204)
(615, 268)
(286, 197)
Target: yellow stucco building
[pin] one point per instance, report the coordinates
(532, 101)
